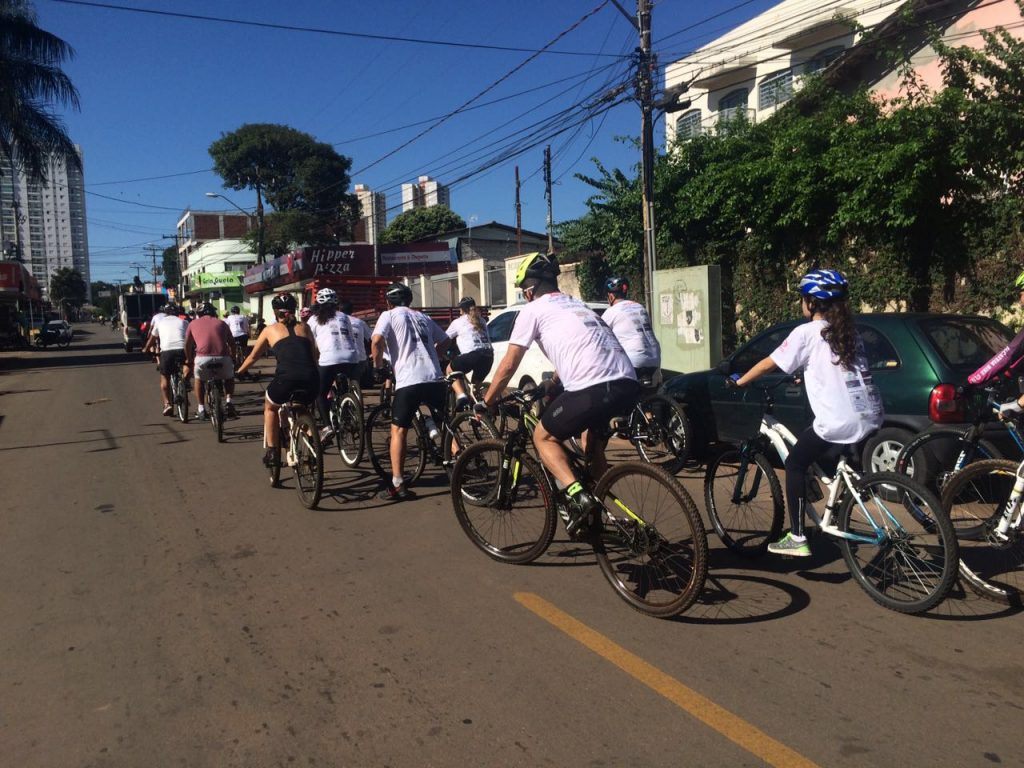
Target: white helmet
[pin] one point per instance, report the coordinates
(326, 296)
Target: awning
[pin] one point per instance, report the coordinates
(819, 31)
(728, 74)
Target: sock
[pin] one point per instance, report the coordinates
(227, 398)
(798, 539)
(396, 481)
(573, 489)
(462, 399)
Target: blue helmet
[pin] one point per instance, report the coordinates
(824, 284)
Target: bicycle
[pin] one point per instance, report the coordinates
(649, 541)
(902, 553)
(345, 410)
(214, 396)
(299, 441)
(457, 429)
(180, 386)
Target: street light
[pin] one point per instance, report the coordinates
(259, 233)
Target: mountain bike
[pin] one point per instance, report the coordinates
(897, 541)
(649, 539)
(299, 444)
(180, 386)
(214, 397)
(456, 430)
(345, 410)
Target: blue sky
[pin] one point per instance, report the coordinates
(157, 90)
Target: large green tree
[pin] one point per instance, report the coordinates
(31, 85)
(107, 305)
(169, 260)
(67, 284)
(302, 179)
(420, 223)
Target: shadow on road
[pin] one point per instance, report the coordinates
(743, 598)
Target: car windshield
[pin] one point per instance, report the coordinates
(965, 343)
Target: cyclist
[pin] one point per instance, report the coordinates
(846, 404)
(362, 334)
(475, 355)
(292, 343)
(413, 342)
(631, 325)
(599, 381)
(239, 325)
(337, 347)
(167, 330)
(208, 348)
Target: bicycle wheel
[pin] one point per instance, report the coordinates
(743, 497)
(179, 392)
(309, 463)
(651, 543)
(465, 430)
(912, 563)
(992, 564)
(215, 408)
(378, 443)
(275, 469)
(661, 433)
(513, 524)
(349, 434)
(935, 455)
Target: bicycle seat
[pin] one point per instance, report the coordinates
(455, 376)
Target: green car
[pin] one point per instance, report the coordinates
(918, 361)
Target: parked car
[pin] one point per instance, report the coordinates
(918, 362)
(534, 364)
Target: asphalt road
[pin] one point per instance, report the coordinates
(163, 606)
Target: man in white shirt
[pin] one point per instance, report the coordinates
(168, 330)
(413, 342)
(631, 325)
(239, 326)
(599, 380)
(362, 333)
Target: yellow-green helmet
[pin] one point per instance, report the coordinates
(538, 266)
(1019, 282)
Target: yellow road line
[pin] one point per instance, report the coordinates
(734, 728)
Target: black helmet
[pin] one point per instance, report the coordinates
(169, 309)
(467, 302)
(537, 266)
(235, 310)
(206, 308)
(399, 294)
(284, 302)
(619, 286)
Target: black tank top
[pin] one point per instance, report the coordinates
(294, 356)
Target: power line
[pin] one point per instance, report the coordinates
(323, 31)
(149, 178)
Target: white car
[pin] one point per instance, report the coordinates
(534, 363)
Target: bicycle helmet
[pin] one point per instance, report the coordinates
(537, 266)
(617, 286)
(1019, 282)
(824, 284)
(284, 302)
(235, 311)
(169, 309)
(399, 294)
(326, 296)
(467, 302)
(207, 309)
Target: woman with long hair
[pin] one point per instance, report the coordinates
(846, 404)
(475, 356)
(336, 346)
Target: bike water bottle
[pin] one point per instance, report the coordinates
(431, 428)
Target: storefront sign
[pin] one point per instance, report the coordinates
(421, 253)
(205, 280)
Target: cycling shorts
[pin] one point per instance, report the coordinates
(241, 341)
(349, 371)
(572, 413)
(170, 360)
(281, 390)
(478, 362)
(408, 400)
(209, 368)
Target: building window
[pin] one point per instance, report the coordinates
(732, 107)
(823, 58)
(775, 89)
(688, 125)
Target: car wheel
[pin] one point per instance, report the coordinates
(882, 448)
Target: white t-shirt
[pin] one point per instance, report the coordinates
(583, 349)
(238, 324)
(170, 330)
(361, 331)
(631, 325)
(847, 405)
(335, 339)
(467, 336)
(410, 337)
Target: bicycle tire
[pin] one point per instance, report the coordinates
(349, 430)
(465, 429)
(274, 470)
(917, 459)
(656, 558)
(309, 461)
(664, 436)
(754, 520)
(215, 406)
(179, 393)
(974, 498)
(516, 529)
(378, 442)
(923, 549)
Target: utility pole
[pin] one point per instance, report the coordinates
(260, 236)
(547, 194)
(519, 218)
(152, 255)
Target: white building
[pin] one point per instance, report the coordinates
(52, 231)
(424, 193)
(373, 209)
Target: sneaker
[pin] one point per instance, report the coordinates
(463, 403)
(326, 433)
(788, 546)
(229, 411)
(581, 509)
(401, 493)
(270, 458)
(168, 410)
(200, 414)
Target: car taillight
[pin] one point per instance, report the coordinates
(945, 406)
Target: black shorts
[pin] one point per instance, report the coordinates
(328, 373)
(478, 362)
(281, 390)
(170, 360)
(241, 341)
(408, 400)
(572, 413)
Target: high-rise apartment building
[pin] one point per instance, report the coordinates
(373, 210)
(51, 231)
(424, 193)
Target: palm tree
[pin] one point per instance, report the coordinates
(31, 81)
